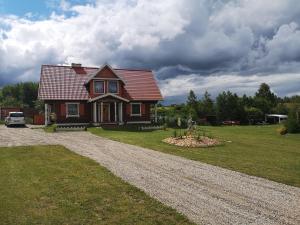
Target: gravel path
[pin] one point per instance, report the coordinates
(205, 193)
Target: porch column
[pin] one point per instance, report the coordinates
(121, 112)
(115, 111)
(46, 114)
(155, 113)
(94, 112)
(101, 109)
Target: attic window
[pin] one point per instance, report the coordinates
(99, 87)
(113, 86)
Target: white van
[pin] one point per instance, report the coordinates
(15, 118)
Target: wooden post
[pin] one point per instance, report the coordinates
(155, 113)
(115, 111)
(101, 116)
(121, 112)
(46, 114)
(95, 112)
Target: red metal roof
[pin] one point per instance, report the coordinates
(67, 83)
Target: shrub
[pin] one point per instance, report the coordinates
(293, 124)
(282, 130)
(185, 133)
(50, 128)
(165, 126)
(174, 133)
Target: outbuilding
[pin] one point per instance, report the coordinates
(275, 118)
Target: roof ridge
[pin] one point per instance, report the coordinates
(91, 67)
(129, 69)
(69, 66)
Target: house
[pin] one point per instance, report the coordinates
(81, 95)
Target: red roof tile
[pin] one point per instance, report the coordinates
(67, 83)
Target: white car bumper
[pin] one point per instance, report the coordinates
(22, 122)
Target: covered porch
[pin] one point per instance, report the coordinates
(108, 109)
(107, 112)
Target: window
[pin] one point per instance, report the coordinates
(72, 109)
(113, 86)
(99, 87)
(16, 114)
(136, 109)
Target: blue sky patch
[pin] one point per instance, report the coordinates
(35, 9)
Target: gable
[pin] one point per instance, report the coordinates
(106, 72)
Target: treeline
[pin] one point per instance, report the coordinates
(229, 106)
(22, 95)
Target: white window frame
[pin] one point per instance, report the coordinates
(67, 109)
(136, 103)
(108, 91)
(95, 86)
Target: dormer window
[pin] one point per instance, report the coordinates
(99, 87)
(113, 86)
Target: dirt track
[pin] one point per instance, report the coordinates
(205, 193)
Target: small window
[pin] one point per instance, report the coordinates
(113, 86)
(72, 110)
(99, 87)
(136, 109)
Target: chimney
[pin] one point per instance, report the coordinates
(76, 65)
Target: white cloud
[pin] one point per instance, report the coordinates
(282, 84)
(255, 39)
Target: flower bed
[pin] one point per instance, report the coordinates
(192, 142)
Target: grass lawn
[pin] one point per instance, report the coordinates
(254, 150)
(52, 185)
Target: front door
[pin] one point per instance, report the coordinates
(106, 113)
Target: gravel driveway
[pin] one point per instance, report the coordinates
(205, 193)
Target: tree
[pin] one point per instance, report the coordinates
(229, 107)
(265, 92)
(192, 99)
(247, 101)
(293, 121)
(265, 99)
(21, 94)
(281, 108)
(192, 104)
(253, 114)
(206, 106)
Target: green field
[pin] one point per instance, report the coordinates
(254, 150)
(51, 185)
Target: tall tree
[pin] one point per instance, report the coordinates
(265, 99)
(229, 107)
(192, 104)
(265, 92)
(206, 106)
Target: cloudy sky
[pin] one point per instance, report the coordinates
(211, 45)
